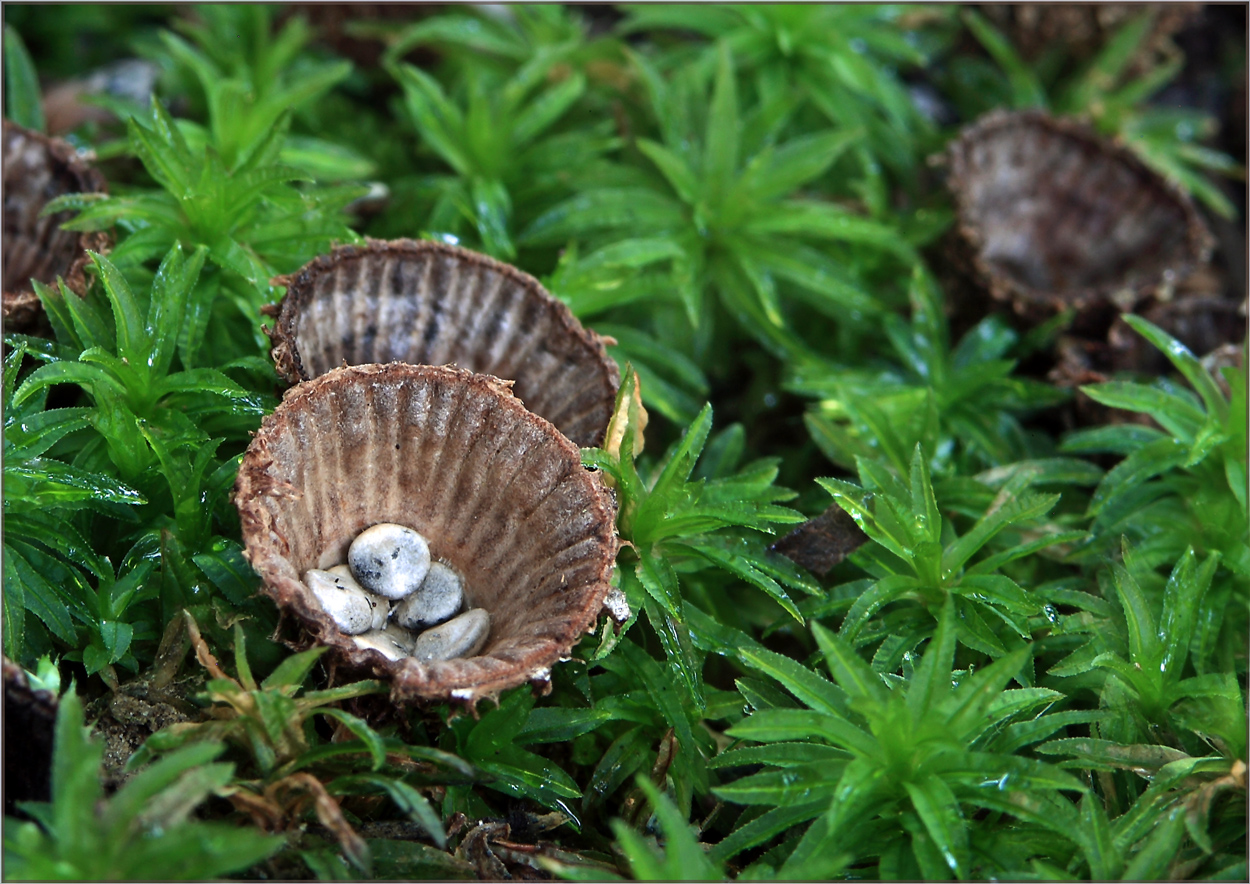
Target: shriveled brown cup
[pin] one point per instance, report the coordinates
(1055, 216)
(497, 492)
(37, 169)
(428, 303)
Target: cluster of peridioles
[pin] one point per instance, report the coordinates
(390, 576)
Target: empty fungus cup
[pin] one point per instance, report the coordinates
(427, 303)
(1057, 217)
(37, 169)
(497, 492)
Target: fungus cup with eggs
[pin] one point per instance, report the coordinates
(497, 492)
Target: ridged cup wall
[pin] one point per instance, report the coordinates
(428, 303)
(1058, 217)
(497, 492)
(37, 169)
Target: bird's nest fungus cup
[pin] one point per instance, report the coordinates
(37, 169)
(429, 303)
(497, 492)
(1057, 217)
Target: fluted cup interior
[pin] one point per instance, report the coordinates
(1054, 209)
(497, 492)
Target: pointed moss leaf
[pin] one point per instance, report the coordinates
(812, 689)
(879, 595)
(22, 97)
(1147, 462)
(931, 682)
(798, 785)
(795, 163)
(521, 773)
(171, 291)
(851, 673)
(1145, 648)
(660, 580)
(764, 827)
(1182, 597)
(292, 671)
(679, 651)
(75, 769)
(779, 755)
(37, 595)
(228, 571)
(685, 859)
(361, 730)
(722, 137)
(1094, 837)
(743, 567)
(405, 797)
(1026, 91)
(981, 770)
(1186, 363)
(131, 798)
(93, 325)
(660, 688)
(643, 862)
(1007, 510)
(1178, 415)
(762, 695)
(500, 726)
(970, 708)
(1153, 859)
(641, 211)
(674, 169)
(939, 811)
(1110, 755)
(923, 504)
(438, 120)
(772, 725)
(59, 535)
(558, 725)
(825, 221)
(618, 763)
(1026, 733)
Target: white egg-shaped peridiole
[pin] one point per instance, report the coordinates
(384, 642)
(389, 559)
(439, 598)
(347, 605)
(461, 636)
(381, 606)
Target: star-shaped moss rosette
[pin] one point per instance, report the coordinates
(499, 494)
(427, 303)
(38, 169)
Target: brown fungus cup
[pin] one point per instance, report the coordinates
(427, 303)
(1057, 217)
(497, 492)
(37, 169)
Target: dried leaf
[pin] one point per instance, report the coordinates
(821, 543)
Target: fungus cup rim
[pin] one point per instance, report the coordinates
(299, 293)
(1194, 251)
(412, 681)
